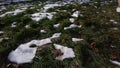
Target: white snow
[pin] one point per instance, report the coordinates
(71, 20)
(115, 28)
(44, 14)
(15, 12)
(36, 18)
(67, 52)
(13, 24)
(27, 26)
(75, 14)
(115, 62)
(42, 31)
(56, 35)
(72, 26)
(112, 46)
(24, 53)
(39, 16)
(49, 15)
(47, 6)
(56, 25)
(41, 42)
(1, 32)
(73, 9)
(76, 39)
(113, 21)
(1, 39)
(35, 14)
(2, 15)
(118, 9)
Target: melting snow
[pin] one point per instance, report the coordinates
(46, 7)
(1, 39)
(13, 24)
(24, 53)
(56, 25)
(76, 39)
(118, 9)
(67, 52)
(113, 21)
(35, 14)
(27, 26)
(12, 12)
(1, 32)
(44, 14)
(5, 14)
(42, 31)
(75, 14)
(41, 42)
(56, 35)
(115, 62)
(39, 16)
(17, 11)
(49, 15)
(72, 26)
(72, 20)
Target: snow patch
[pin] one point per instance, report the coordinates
(6, 14)
(13, 24)
(72, 26)
(115, 62)
(15, 12)
(76, 39)
(56, 25)
(41, 42)
(75, 14)
(56, 35)
(67, 52)
(113, 21)
(24, 53)
(1, 32)
(42, 31)
(118, 9)
(48, 6)
(1, 39)
(27, 26)
(43, 14)
(39, 16)
(71, 20)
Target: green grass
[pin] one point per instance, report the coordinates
(94, 51)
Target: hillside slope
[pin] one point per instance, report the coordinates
(91, 30)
